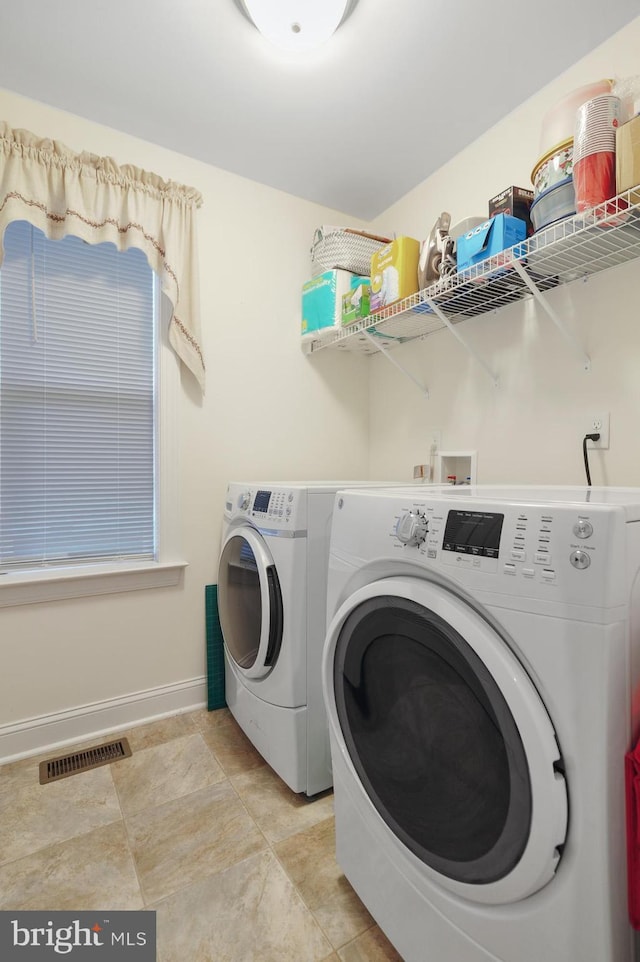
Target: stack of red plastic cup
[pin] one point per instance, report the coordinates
(594, 151)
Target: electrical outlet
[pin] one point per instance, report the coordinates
(597, 424)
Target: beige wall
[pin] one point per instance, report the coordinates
(269, 412)
(529, 428)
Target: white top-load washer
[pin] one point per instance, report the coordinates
(272, 577)
(481, 675)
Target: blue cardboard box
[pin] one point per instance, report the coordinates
(494, 235)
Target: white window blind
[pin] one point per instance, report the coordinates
(77, 400)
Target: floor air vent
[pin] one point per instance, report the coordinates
(55, 768)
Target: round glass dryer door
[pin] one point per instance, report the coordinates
(449, 739)
(249, 603)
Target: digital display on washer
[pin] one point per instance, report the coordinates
(473, 532)
(261, 501)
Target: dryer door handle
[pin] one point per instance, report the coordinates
(251, 617)
(276, 620)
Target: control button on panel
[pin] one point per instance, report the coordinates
(580, 559)
(528, 572)
(509, 569)
(548, 574)
(542, 557)
(464, 561)
(583, 529)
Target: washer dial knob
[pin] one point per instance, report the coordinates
(244, 500)
(411, 528)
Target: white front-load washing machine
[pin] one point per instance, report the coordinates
(272, 576)
(479, 672)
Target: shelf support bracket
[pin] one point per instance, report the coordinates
(380, 347)
(546, 307)
(456, 333)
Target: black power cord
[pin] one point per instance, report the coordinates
(588, 437)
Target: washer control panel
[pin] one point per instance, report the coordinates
(269, 507)
(559, 544)
(536, 545)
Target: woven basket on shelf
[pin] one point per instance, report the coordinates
(342, 247)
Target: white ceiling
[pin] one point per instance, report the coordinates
(401, 87)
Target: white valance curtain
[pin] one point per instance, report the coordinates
(60, 192)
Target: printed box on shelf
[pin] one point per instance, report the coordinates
(356, 304)
(394, 272)
(514, 201)
(488, 239)
(628, 158)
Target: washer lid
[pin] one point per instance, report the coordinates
(249, 602)
(448, 738)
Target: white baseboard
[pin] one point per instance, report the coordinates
(48, 733)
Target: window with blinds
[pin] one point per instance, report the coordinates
(77, 402)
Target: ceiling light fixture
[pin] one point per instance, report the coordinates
(297, 24)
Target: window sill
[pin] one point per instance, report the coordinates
(55, 584)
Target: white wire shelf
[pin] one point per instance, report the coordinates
(593, 241)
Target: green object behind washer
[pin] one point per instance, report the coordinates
(215, 652)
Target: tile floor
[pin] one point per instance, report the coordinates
(196, 826)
